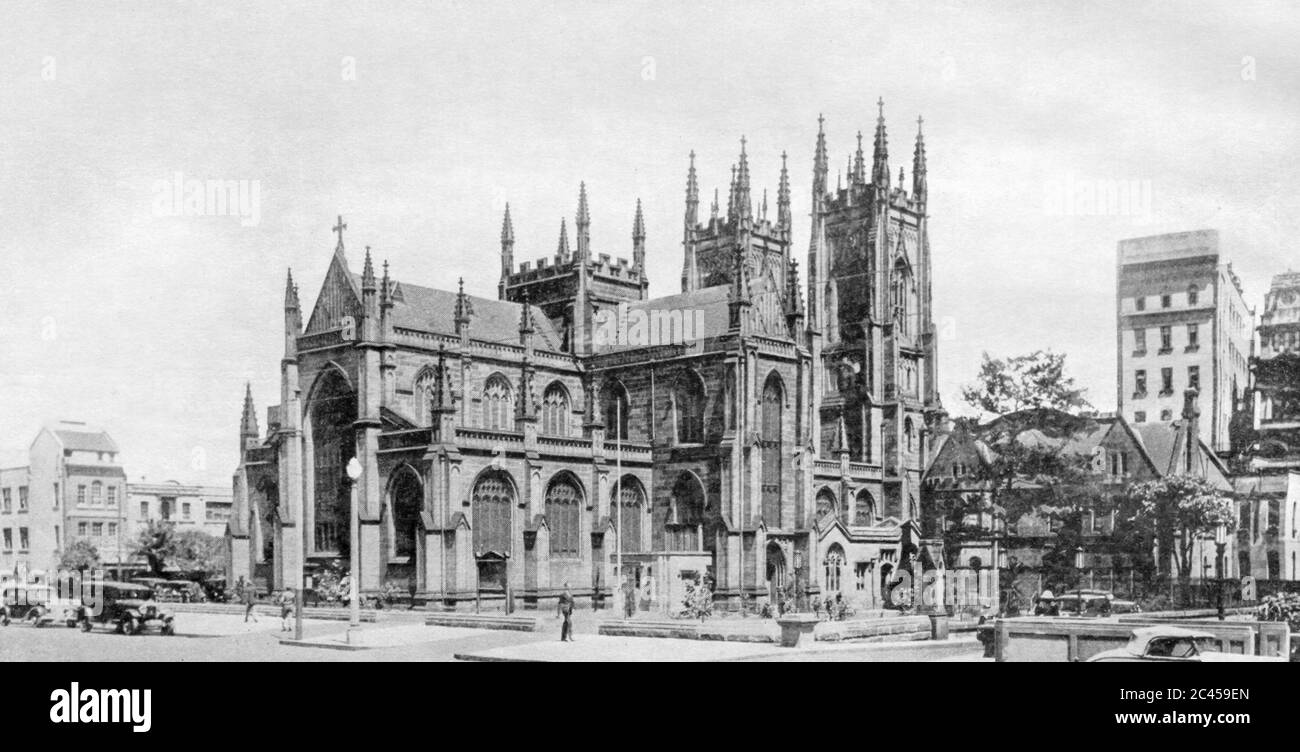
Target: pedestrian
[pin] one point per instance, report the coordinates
(410, 586)
(629, 599)
(839, 607)
(286, 609)
(565, 609)
(249, 597)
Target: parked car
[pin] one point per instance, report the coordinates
(36, 605)
(1084, 603)
(129, 607)
(172, 591)
(1174, 645)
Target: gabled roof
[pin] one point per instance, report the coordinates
(430, 310)
(82, 439)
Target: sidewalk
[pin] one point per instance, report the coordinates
(667, 649)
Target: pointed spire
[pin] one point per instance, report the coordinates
(793, 295)
(783, 218)
(525, 316)
(507, 253)
(562, 250)
(900, 179)
(386, 288)
(880, 156)
(919, 189)
(464, 309)
(841, 436)
(507, 229)
(638, 223)
(692, 195)
(820, 166)
(731, 196)
(763, 215)
(583, 224)
(368, 273)
(290, 293)
(859, 164)
(248, 421)
(744, 205)
(713, 211)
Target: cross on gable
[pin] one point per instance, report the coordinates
(339, 228)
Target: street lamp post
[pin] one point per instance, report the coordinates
(354, 561)
(1220, 543)
(1079, 561)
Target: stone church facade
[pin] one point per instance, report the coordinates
(573, 424)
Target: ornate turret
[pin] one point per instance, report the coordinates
(744, 203)
(783, 219)
(859, 169)
(507, 253)
(638, 239)
(248, 431)
(583, 225)
(690, 221)
(562, 248)
(821, 167)
(880, 156)
(919, 189)
(292, 317)
(464, 310)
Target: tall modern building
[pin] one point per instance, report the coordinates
(1183, 324)
(511, 446)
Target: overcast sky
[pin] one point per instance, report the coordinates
(418, 121)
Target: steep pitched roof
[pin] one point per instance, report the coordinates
(83, 440)
(429, 310)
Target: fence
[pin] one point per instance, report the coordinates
(1019, 588)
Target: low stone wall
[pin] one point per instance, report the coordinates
(267, 610)
(753, 630)
(484, 621)
(1048, 639)
(888, 629)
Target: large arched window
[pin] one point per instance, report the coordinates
(770, 441)
(333, 409)
(494, 495)
(909, 434)
(900, 289)
(563, 506)
(864, 509)
(407, 498)
(688, 404)
(834, 567)
(827, 507)
(555, 410)
(423, 388)
(614, 410)
(96, 493)
(498, 404)
(628, 501)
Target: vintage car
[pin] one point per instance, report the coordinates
(129, 607)
(1177, 645)
(36, 605)
(1084, 603)
(171, 591)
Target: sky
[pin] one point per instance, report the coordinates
(418, 121)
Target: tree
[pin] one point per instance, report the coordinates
(1023, 382)
(80, 555)
(162, 545)
(1177, 510)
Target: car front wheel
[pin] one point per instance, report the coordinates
(169, 628)
(86, 625)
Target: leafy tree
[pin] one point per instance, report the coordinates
(79, 555)
(1178, 509)
(163, 545)
(1023, 382)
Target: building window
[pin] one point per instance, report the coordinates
(96, 493)
(144, 510)
(1140, 303)
(22, 498)
(864, 507)
(165, 508)
(628, 499)
(9, 539)
(1274, 565)
(491, 501)
(424, 387)
(1140, 416)
(825, 505)
(498, 405)
(97, 529)
(112, 496)
(860, 576)
(81, 496)
(185, 510)
(1193, 337)
(8, 502)
(112, 529)
(56, 495)
(688, 401)
(1193, 377)
(83, 529)
(1166, 381)
(1166, 339)
(555, 411)
(1166, 415)
(563, 510)
(1166, 301)
(833, 564)
(616, 410)
(56, 536)
(1139, 384)
(1192, 295)
(22, 539)
(1139, 341)
(909, 435)
(772, 454)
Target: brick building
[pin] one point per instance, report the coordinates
(514, 445)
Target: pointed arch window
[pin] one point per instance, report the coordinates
(864, 509)
(628, 497)
(555, 410)
(770, 442)
(424, 386)
(688, 403)
(900, 297)
(615, 411)
(909, 435)
(498, 404)
(563, 505)
(827, 507)
(407, 500)
(834, 565)
(493, 496)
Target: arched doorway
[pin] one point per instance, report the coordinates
(627, 500)
(405, 500)
(491, 501)
(775, 572)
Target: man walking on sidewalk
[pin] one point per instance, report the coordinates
(565, 607)
(249, 597)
